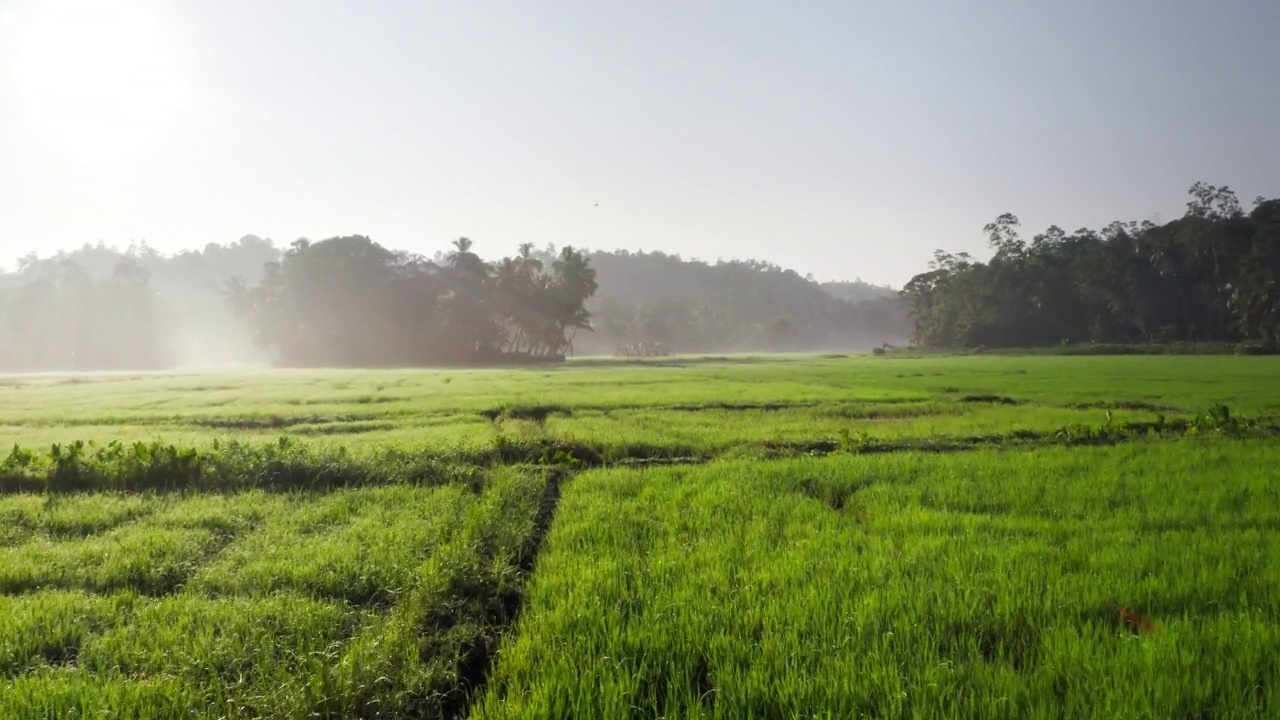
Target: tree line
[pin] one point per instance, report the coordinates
(348, 301)
(1212, 275)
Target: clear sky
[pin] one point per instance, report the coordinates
(842, 139)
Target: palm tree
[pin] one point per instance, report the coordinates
(461, 248)
(471, 315)
(509, 286)
(529, 265)
(575, 275)
(574, 282)
(465, 262)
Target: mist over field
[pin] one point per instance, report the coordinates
(1208, 277)
(499, 360)
(100, 308)
(723, 179)
(350, 302)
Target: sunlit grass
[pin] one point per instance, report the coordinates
(976, 585)
(49, 628)
(787, 536)
(150, 560)
(247, 605)
(441, 407)
(359, 546)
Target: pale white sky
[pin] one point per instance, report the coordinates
(842, 139)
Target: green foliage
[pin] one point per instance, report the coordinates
(1256, 348)
(853, 442)
(1212, 276)
(283, 465)
(535, 413)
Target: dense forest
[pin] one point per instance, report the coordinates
(349, 301)
(1212, 275)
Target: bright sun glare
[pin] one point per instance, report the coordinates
(97, 76)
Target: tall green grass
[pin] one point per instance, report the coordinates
(797, 536)
(383, 601)
(984, 584)
(358, 546)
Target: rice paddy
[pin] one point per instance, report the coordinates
(765, 537)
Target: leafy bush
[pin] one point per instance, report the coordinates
(1255, 348)
(234, 466)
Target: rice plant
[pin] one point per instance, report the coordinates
(792, 536)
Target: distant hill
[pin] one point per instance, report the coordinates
(736, 306)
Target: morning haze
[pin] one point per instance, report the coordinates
(839, 139)
(595, 359)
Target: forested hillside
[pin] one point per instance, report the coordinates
(695, 306)
(856, 291)
(1212, 275)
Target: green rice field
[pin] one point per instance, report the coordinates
(690, 537)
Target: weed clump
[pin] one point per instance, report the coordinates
(1122, 405)
(987, 398)
(534, 413)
